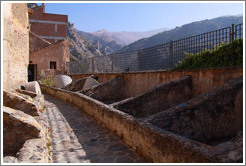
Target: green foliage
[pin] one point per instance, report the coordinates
(47, 77)
(47, 81)
(221, 57)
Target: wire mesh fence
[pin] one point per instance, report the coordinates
(160, 57)
(124, 61)
(100, 64)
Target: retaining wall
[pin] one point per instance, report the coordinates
(209, 118)
(107, 92)
(157, 99)
(203, 80)
(153, 143)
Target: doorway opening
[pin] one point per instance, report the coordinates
(32, 72)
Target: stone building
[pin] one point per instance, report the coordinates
(46, 57)
(51, 27)
(49, 49)
(15, 45)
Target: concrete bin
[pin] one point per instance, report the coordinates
(61, 81)
(33, 86)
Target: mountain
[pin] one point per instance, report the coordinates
(81, 47)
(105, 44)
(125, 37)
(184, 31)
(109, 42)
(84, 56)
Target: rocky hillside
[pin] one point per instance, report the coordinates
(80, 47)
(184, 31)
(109, 42)
(106, 44)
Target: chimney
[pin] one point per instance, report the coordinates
(43, 6)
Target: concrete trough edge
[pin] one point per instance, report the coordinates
(153, 143)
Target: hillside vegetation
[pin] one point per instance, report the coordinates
(223, 56)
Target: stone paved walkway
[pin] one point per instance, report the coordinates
(77, 138)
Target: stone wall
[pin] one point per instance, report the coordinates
(18, 127)
(204, 129)
(26, 133)
(15, 44)
(58, 52)
(157, 99)
(208, 118)
(153, 144)
(203, 80)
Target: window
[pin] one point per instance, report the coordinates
(52, 65)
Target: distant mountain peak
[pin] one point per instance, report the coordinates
(100, 31)
(186, 30)
(108, 42)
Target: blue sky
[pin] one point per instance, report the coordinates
(139, 16)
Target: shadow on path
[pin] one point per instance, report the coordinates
(76, 137)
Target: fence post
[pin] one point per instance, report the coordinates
(112, 60)
(232, 39)
(232, 32)
(138, 53)
(171, 55)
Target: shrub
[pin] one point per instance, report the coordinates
(221, 57)
(47, 77)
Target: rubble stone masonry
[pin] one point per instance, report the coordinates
(15, 44)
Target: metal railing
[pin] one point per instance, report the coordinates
(160, 57)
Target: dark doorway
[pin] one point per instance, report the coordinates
(32, 72)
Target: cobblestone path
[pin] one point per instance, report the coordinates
(77, 138)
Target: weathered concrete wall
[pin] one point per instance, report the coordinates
(58, 52)
(76, 85)
(203, 80)
(230, 151)
(108, 92)
(154, 144)
(157, 99)
(15, 44)
(208, 118)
